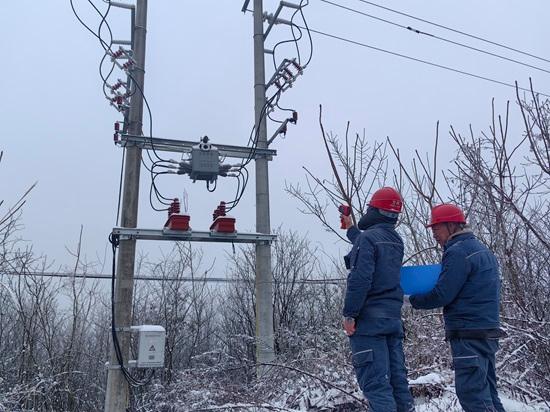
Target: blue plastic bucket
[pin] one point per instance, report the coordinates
(419, 279)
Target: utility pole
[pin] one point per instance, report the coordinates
(117, 394)
(264, 289)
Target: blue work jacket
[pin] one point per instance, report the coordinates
(468, 287)
(373, 288)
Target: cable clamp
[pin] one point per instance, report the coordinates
(130, 364)
(123, 329)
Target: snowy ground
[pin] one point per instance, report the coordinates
(448, 401)
(439, 386)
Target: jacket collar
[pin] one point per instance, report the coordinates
(463, 234)
(382, 225)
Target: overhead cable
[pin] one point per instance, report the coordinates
(456, 31)
(413, 30)
(357, 43)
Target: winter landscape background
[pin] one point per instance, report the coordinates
(494, 162)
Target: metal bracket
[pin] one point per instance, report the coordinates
(123, 329)
(130, 364)
(122, 5)
(273, 18)
(185, 146)
(192, 235)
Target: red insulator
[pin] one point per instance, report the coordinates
(117, 126)
(176, 204)
(174, 207)
(115, 137)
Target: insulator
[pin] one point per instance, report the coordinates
(298, 67)
(117, 126)
(176, 204)
(174, 207)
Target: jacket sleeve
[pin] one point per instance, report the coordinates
(352, 233)
(360, 278)
(454, 273)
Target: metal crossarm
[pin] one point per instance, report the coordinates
(192, 235)
(185, 146)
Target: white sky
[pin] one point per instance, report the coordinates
(57, 126)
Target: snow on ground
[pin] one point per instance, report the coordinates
(431, 378)
(449, 403)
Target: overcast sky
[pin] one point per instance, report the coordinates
(57, 126)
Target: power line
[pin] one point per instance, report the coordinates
(108, 52)
(357, 43)
(455, 30)
(413, 30)
(193, 279)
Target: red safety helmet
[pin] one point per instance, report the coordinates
(446, 213)
(388, 199)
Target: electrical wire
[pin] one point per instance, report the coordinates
(412, 30)
(232, 204)
(455, 30)
(357, 43)
(293, 40)
(132, 381)
(208, 186)
(308, 33)
(108, 51)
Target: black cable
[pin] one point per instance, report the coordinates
(308, 33)
(133, 382)
(455, 30)
(108, 49)
(153, 188)
(293, 40)
(208, 186)
(422, 61)
(256, 130)
(296, 39)
(410, 29)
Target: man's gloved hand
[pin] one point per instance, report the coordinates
(347, 221)
(349, 325)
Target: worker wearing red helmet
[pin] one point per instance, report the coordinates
(372, 305)
(468, 289)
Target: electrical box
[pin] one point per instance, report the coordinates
(151, 340)
(205, 162)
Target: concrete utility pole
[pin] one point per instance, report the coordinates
(117, 394)
(264, 289)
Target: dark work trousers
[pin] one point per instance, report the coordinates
(475, 377)
(379, 363)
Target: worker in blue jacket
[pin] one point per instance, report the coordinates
(468, 289)
(372, 305)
